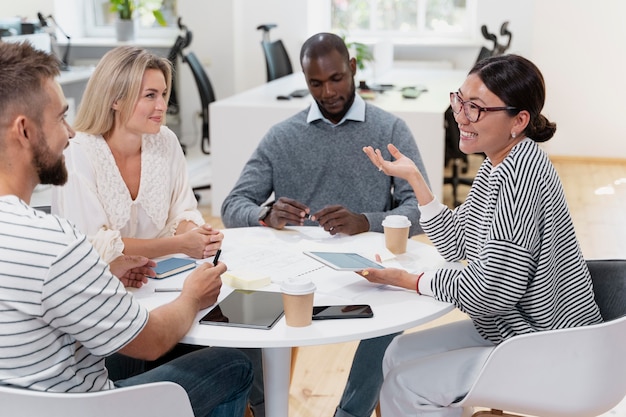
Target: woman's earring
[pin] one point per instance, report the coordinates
(513, 135)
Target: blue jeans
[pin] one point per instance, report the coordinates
(217, 380)
(360, 395)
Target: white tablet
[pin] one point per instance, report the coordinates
(344, 261)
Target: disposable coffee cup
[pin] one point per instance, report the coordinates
(298, 301)
(396, 233)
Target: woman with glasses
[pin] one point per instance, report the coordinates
(524, 269)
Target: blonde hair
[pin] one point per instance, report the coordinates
(117, 78)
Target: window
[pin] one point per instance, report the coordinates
(100, 21)
(403, 18)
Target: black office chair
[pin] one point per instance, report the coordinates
(276, 57)
(207, 96)
(205, 89)
(453, 155)
(182, 41)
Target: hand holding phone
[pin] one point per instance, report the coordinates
(353, 311)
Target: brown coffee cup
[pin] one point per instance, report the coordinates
(298, 301)
(396, 229)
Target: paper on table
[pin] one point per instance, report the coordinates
(278, 265)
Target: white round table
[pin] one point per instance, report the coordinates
(278, 253)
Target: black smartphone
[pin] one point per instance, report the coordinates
(353, 311)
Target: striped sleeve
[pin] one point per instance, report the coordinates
(82, 298)
(61, 310)
(525, 271)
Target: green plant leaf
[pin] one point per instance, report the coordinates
(159, 17)
(124, 8)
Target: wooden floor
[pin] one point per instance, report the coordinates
(596, 193)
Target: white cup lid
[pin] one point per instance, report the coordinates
(395, 220)
(294, 286)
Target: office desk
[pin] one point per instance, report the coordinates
(270, 250)
(239, 122)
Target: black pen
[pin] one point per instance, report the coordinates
(217, 257)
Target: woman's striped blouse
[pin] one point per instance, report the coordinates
(525, 270)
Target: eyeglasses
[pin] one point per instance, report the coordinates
(472, 110)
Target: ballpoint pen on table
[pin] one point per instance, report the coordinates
(217, 257)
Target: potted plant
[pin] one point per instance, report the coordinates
(126, 22)
(362, 53)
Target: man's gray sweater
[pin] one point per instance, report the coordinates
(320, 165)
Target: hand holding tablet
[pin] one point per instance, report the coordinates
(344, 261)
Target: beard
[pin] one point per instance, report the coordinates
(339, 115)
(50, 169)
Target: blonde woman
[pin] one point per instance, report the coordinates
(128, 187)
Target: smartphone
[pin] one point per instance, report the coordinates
(353, 311)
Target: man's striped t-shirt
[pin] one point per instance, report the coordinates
(61, 310)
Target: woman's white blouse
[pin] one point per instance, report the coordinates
(97, 200)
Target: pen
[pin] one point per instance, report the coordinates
(167, 289)
(217, 257)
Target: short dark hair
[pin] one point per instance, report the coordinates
(24, 70)
(518, 83)
(322, 44)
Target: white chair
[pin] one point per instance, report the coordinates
(158, 399)
(577, 372)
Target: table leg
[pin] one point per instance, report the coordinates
(276, 370)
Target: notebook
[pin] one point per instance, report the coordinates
(242, 308)
(172, 266)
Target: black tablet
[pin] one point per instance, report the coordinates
(252, 309)
(344, 261)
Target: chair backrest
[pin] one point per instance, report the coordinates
(158, 399)
(277, 62)
(453, 136)
(609, 286)
(575, 372)
(276, 59)
(182, 41)
(207, 96)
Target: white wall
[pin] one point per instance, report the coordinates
(578, 44)
(580, 47)
(26, 8)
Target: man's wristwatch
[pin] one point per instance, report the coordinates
(265, 211)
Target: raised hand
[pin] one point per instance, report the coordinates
(401, 167)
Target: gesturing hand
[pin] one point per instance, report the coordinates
(401, 167)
